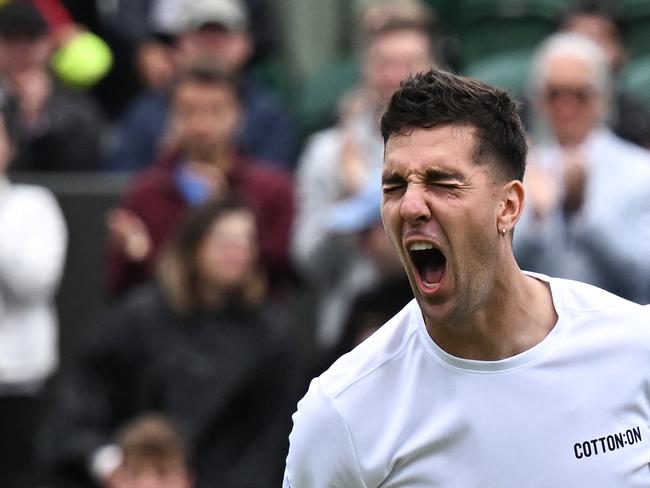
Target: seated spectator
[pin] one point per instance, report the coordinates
(152, 454)
(588, 203)
(32, 255)
(388, 290)
(59, 130)
(627, 117)
(214, 31)
(206, 114)
(199, 347)
(338, 162)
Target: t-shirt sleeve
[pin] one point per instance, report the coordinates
(321, 451)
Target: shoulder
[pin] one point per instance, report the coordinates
(325, 441)
(263, 174)
(143, 308)
(320, 153)
(70, 102)
(583, 297)
(321, 449)
(151, 179)
(628, 154)
(31, 192)
(380, 351)
(590, 307)
(32, 197)
(259, 99)
(324, 141)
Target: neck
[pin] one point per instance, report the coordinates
(222, 157)
(516, 315)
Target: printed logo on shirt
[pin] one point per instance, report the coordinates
(609, 443)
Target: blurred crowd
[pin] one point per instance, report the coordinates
(247, 251)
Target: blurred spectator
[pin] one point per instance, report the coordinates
(58, 130)
(588, 202)
(197, 346)
(32, 254)
(152, 454)
(215, 31)
(165, 15)
(627, 117)
(155, 63)
(317, 100)
(389, 290)
(338, 162)
(205, 117)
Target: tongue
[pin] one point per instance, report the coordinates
(433, 274)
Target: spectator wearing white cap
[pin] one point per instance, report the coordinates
(214, 31)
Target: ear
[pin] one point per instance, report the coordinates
(511, 205)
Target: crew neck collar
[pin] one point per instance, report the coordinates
(525, 358)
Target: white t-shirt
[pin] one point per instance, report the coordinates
(398, 411)
(33, 240)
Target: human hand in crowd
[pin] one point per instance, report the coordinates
(154, 61)
(351, 166)
(543, 191)
(130, 233)
(32, 87)
(575, 178)
(350, 106)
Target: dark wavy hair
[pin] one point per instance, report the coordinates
(178, 271)
(438, 97)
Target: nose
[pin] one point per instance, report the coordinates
(414, 206)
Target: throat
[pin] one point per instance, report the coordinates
(510, 324)
(431, 265)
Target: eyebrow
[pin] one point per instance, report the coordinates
(391, 179)
(433, 175)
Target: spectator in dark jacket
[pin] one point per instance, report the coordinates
(205, 165)
(59, 130)
(197, 347)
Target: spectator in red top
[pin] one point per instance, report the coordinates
(205, 165)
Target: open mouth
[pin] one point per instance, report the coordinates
(429, 262)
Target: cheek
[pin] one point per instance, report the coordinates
(475, 234)
(391, 222)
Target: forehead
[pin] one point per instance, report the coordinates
(593, 25)
(568, 70)
(399, 41)
(439, 146)
(190, 90)
(234, 221)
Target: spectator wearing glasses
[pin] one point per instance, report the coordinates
(627, 117)
(588, 208)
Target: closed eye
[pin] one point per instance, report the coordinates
(444, 185)
(392, 188)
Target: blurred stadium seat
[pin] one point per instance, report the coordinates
(636, 78)
(508, 70)
(634, 17)
(318, 99)
(496, 26)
